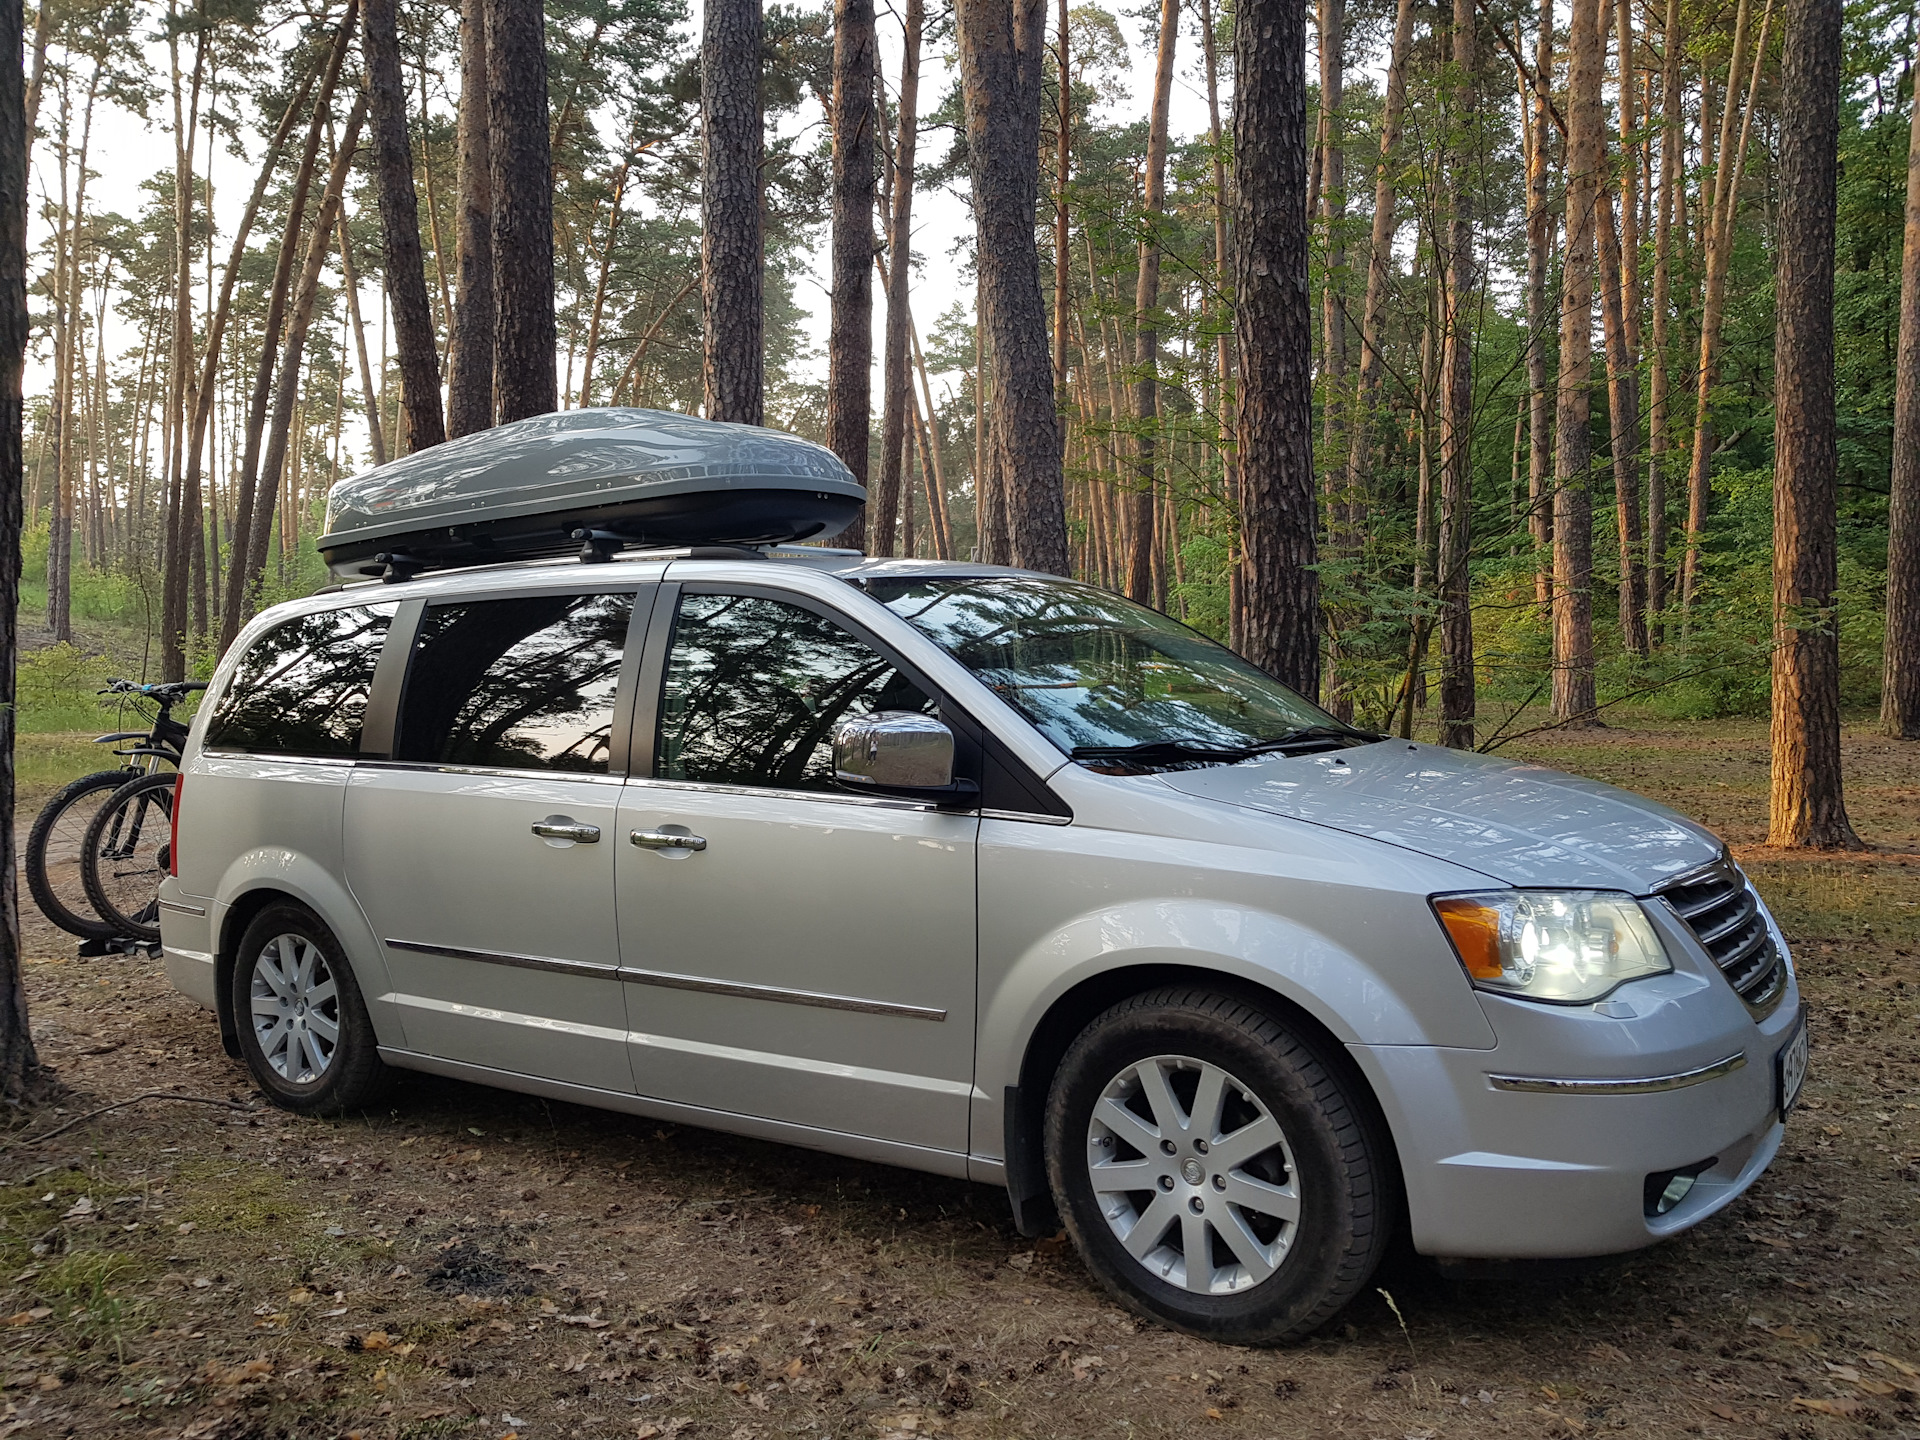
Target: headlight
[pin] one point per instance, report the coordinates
(1566, 946)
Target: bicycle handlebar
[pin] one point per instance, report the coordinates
(167, 693)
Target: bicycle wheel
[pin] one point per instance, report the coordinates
(54, 846)
(124, 857)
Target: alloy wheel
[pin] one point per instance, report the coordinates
(296, 1008)
(1193, 1175)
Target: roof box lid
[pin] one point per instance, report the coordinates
(621, 476)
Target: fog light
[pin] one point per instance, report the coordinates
(1668, 1188)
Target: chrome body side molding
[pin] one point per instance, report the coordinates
(1645, 1085)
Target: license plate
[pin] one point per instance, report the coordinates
(1790, 1067)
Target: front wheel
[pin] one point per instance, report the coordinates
(1215, 1172)
(304, 1030)
(124, 856)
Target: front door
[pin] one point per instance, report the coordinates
(482, 853)
(806, 955)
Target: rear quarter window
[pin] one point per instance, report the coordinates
(301, 688)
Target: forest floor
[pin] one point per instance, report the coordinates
(473, 1263)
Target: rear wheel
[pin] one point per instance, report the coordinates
(303, 1027)
(55, 845)
(1214, 1170)
(124, 856)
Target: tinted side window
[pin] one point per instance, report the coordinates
(301, 688)
(754, 689)
(521, 684)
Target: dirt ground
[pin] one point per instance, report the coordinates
(477, 1264)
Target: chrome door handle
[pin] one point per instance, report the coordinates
(567, 830)
(659, 840)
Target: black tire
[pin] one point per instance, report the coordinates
(351, 1074)
(55, 845)
(124, 856)
(1328, 1154)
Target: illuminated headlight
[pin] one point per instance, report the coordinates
(1565, 946)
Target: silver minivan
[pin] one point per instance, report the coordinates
(986, 873)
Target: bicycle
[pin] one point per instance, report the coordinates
(125, 855)
(54, 856)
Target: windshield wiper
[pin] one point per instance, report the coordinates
(1159, 752)
(1306, 733)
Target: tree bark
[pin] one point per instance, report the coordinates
(470, 347)
(733, 143)
(1454, 579)
(182, 511)
(1623, 413)
(1900, 687)
(521, 164)
(1573, 680)
(1001, 46)
(349, 272)
(850, 322)
(600, 286)
(1806, 805)
(20, 1076)
(1146, 307)
(896, 364)
(406, 274)
(247, 485)
(1275, 339)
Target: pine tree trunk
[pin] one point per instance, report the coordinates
(178, 530)
(1806, 805)
(733, 144)
(287, 391)
(896, 363)
(1380, 253)
(1660, 384)
(1540, 233)
(1146, 306)
(1001, 47)
(240, 562)
(406, 275)
(369, 400)
(470, 346)
(1623, 413)
(1454, 579)
(1573, 680)
(1900, 687)
(521, 164)
(850, 322)
(20, 1077)
(1275, 335)
(1223, 337)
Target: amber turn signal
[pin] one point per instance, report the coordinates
(1474, 929)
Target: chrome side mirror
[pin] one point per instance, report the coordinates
(894, 751)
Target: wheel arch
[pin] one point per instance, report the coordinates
(1079, 1006)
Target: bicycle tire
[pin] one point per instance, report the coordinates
(124, 858)
(55, 844)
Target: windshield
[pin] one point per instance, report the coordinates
(1105, 679)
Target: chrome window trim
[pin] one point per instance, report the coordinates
(784, 996)
(178, 908)
(881, 802)
(1031, 817)
(501, 957)
(1647, 1085)
(348, 758)
(594, 777)
(670, 981)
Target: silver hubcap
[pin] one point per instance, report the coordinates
(296, 1008)
(1193, 1175)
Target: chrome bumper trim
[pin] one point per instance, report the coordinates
(1647, 1085)
(181, 909)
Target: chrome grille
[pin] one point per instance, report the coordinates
(1718, 905)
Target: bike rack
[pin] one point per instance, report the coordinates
(120, 945)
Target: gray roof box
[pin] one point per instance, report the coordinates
(605, 478)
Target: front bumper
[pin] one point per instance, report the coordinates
(1540, 1172)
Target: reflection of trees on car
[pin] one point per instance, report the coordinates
(301, 688)
(755, 689)
(521, 684)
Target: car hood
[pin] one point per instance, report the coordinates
(1519, 823)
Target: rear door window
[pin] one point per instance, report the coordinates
(301, 688)
(527, 683)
